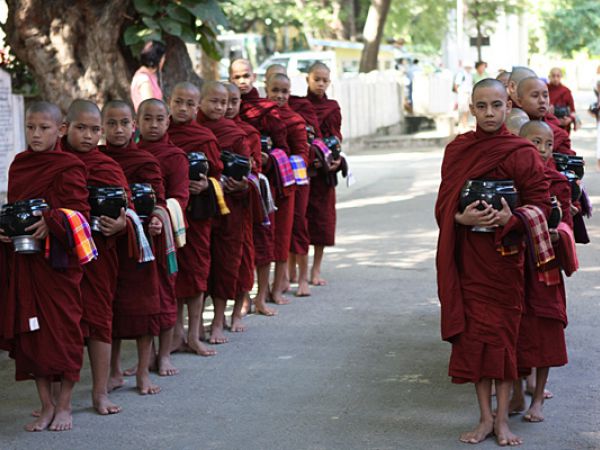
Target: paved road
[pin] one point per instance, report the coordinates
(359, 365)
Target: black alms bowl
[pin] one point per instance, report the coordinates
(334, 145)
(574, 183)
(198, 165)
(569, 162)
(105, 201)
(489, 191)
(144, 199)
(15, 217)
(235, 166)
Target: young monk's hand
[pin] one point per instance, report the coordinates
(231, 185)
(40, 229)
(155, 226)
(554, 236)
(335, 164)
(264, 158)
(504, 214)
(574, 210)
(4, 238)
(109, 226)
(196, 187)
(472, 216)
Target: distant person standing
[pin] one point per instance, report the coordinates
(562, 100)
(595, 111)
(463, 85)
(410, 73)
(145, 83)
(480, 72)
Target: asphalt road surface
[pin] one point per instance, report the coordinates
(359, 365)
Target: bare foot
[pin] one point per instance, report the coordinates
(504, 436)
(547, 394)
(237, 325)
(262, 308)
(115, 382)
(145, 385)
(104, 406)
(132, 371)
(178, 344)
(479, 434)
(166, 368)
(36, 413)
(217, 336)
(534, 414)
(63, 421)
(197, 347)
(286, 288)
(516, 405)
(44, 418)
(279, 299)
(246, 306)
(303, 289)
(318, 281)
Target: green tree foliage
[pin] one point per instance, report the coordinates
(190, 20)
(421, 23)
(573, 25)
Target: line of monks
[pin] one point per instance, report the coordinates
(134, 275)
(503, 303)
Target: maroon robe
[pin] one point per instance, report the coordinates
(562, 141)
(541, 340)
(174, 167)
(253, 215)
(560, 95)
(52, 297)
(481, 291)
(263, 114)
(136, 304)
(100, 276)
(228, 231)
(291, 230)
(194, 258)
(320, 213)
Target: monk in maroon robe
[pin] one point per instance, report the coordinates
(321, 204)
(84, 129)
(560, 98)
(480, 290)
(194, 257)
(153, 122)
(541, 342)
(42, 310)
(228, 230)
(291, 227)
(136, 304)
(256, 231)
(532, 94)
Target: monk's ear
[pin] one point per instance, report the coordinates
(63, 129)
(472, 109)
(508, 106)
(168, 120)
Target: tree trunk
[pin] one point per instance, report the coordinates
(178, 66)
(74, 49)
(479, 41)
(71, 50)
(372, 33)
(350, 20)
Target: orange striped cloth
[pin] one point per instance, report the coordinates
(83, 243)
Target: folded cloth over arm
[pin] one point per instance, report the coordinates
(177, 221)
(144, 249)
(84, 245)
(299, 168)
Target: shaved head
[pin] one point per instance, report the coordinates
(79, 107)
(232, 88)
(515, 119)
(275, 68)
(519, 73)
(213, 86)
(117, 104)
(187, 86)
(278, 77)
(242, 64)
(535, 126)
(153, 102)
(527, 84)
(490, 83)
(318, 66)
(46, 108)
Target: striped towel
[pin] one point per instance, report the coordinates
(144, 248)
(177, 220)
(84, 245)
(322, 147)
(538, 237)
(282, 162)
(299, 168)
(168, 239)
(268, 206)
(219, 195)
